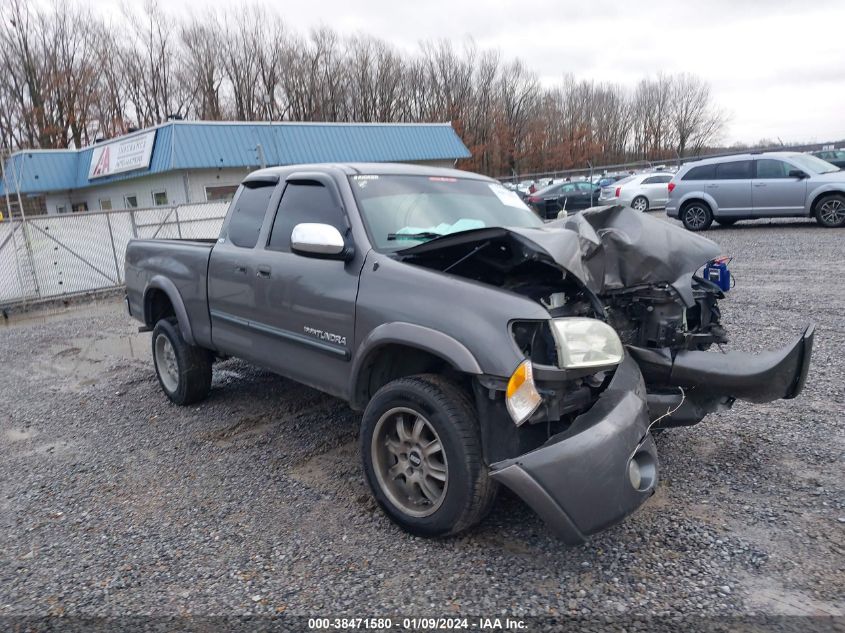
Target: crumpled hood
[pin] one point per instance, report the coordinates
(606, 248)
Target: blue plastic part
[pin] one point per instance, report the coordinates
(717, 272)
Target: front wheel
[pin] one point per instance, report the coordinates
(421, 450)
(184, 371)
(640, 203)
(830, 211)
(697, 216)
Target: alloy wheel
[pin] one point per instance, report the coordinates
(409, 461)
(832, 212)
(695, 216)
(168, 367)
(640, 204)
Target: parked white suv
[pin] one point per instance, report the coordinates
(757, 185)
(641, 192)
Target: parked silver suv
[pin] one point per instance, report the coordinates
(757, 185)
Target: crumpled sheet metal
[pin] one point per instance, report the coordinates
(606, 248)
(620, 248)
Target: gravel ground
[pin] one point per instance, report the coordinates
(114, 502)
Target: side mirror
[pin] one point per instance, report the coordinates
(797, 173)
(319, 240)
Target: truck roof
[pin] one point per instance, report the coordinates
(352, 169)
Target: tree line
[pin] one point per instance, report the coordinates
(70, 77)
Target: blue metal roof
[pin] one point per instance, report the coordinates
(203, 145)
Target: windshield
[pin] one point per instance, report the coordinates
(812, 164)
(401, 211)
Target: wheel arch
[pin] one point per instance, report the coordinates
(700, 198)
(162, 299)
(396, 350)
(818, 195)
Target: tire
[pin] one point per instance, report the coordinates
(726, 221)
(183, 371)
(830, 211)
(640, 203)
(405, 482)
(697, 216)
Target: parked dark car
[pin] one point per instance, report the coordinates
(833, 156)
(572, 196)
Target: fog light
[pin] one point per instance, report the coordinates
(642, 471)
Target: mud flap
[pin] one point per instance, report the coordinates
(753, 377)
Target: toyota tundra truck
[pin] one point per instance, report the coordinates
(483, 346)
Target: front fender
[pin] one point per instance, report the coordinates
(160, 282)
(819, 191)
(411, 335)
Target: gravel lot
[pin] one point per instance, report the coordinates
(113, 501)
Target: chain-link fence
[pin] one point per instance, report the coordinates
(53, 255)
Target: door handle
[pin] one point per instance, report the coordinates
(263, 272)
(240, 268)
(759, 184)
(712, 186)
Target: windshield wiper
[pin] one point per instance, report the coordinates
(426, 235)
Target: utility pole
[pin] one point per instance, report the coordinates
(11, 221)
(26, 235)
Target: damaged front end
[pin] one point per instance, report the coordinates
(584, 457)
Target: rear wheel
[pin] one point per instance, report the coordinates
(640, 203)
(830, 211)
(184, 371)
(421, 449)
(697, 216)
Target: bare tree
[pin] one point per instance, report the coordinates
(67, 77)
(697, 122)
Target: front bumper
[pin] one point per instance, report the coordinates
(578, 482)
(761, 377)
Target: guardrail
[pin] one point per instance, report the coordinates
(49, 256)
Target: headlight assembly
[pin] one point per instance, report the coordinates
(583, 343)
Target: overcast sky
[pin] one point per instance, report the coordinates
(777, 66)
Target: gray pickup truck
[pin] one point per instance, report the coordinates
(483, 346)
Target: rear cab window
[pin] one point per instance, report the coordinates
(248, 212)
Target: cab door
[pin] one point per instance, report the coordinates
(231, 270)
(305, 304)
(775, 192)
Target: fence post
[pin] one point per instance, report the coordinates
(113, 249)
(178, 226)
(132, 220)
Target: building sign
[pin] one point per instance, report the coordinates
(126, 154)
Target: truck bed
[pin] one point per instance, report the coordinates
(180, 262)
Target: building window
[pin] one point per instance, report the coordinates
(61, 209)
(105, 204)
(130, 202)
(220, 192)
(159, 198)
(79, 207)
